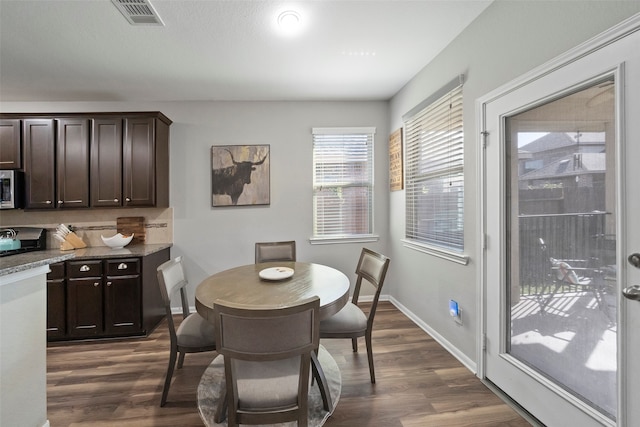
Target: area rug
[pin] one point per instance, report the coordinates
(212, 383)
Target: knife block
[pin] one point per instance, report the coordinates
(72, 241)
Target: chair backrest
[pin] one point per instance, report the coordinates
(267, 349)
(372, 267)
(171, 279)
(275, 251)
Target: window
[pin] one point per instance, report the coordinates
(435, 172)
(342, 183)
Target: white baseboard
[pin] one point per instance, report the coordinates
(455, 352)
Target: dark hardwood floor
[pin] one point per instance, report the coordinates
(119, 383)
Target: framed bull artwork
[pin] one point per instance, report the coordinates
(240, 175)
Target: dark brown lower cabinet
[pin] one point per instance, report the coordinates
(84, 298)
(84, 308)
(122, 302)
(56, 301)
(104, 298)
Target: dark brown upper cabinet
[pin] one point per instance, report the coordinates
(10, 144)
(145, 162)
(106, 162)
(72, 163)
(56, 164)
(39, 163)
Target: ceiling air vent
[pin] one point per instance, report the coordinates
(138, 12)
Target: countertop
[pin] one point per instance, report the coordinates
(25, 261)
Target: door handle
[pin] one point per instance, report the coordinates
(634, 259)
(632, 292)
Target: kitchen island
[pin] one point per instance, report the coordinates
(23, 343)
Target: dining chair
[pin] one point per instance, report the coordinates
(194, 334)
(351, 322)
(275, 251)
(267, 358)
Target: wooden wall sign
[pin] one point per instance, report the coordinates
(396, 176)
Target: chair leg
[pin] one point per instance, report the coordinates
(181, 359)
(167, 381)
(303, 420)
(370, 357)
(221, 410)
(354, 344)
(318, 373)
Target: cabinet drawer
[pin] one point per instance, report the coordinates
(86, 268)
(123, 267)
(57, 271)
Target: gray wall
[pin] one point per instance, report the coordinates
(507, 40)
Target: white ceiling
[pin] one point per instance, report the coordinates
(72, 50)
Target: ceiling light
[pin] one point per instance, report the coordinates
(289, 21)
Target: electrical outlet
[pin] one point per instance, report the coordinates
(455, 311)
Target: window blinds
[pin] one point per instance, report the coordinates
(342, 182)
(435, 172)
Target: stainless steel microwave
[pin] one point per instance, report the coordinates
(11, 189)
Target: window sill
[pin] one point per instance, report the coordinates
(347, 239)
(440, 253)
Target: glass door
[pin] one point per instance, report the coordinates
(560, 203)
(561, 241)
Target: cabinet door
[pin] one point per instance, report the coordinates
(84, 307)
(39, 163)
(72, 163)
(10, 144)
(56, 302)
(123, 300)
(106, 163)
(139, 162)
(122, 309)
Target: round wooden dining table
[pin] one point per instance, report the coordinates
(243, 285)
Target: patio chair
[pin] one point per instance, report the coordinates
(575, 274)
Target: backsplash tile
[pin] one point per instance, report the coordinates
(89, 225)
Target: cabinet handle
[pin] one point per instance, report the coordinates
(116, 200)
(108, 283)
(48, 202)
(60, 202)
(96, 284)
(127, 199)
(122, 266)
(85, 267)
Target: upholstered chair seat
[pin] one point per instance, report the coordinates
(350, 320)
(195, 331)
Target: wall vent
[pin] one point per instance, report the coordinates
(138, 12)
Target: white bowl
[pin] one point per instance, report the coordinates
(118, 241)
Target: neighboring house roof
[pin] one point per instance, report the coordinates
(577, 164)
(555, 140)
(550, 141)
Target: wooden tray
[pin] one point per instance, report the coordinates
(132, 224)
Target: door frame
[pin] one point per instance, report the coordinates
(598, 42)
